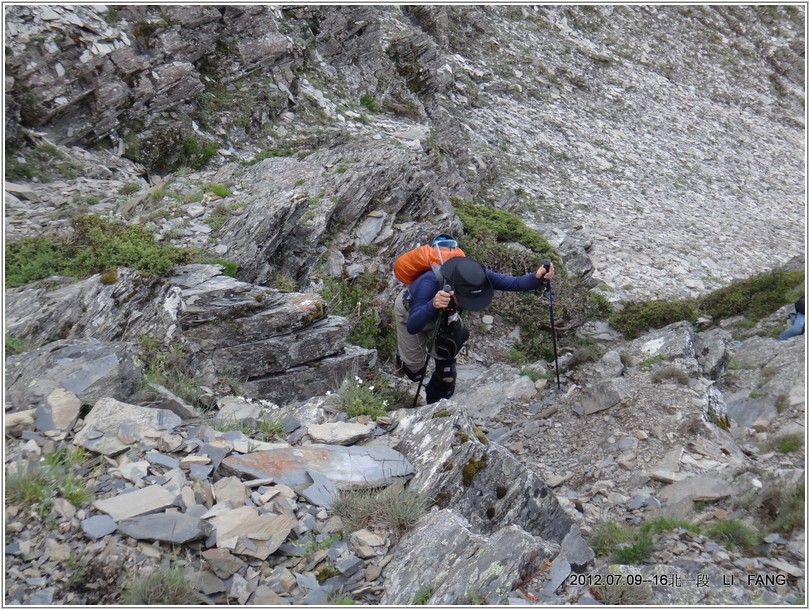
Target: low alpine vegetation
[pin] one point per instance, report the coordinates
(371, 325)
(59, 475)
(754, 298)
(394, 509)
(93, 246)
(161, 587)
(354, 397)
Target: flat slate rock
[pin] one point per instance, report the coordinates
(112, 425)
(98, 526)
(147, 500)
(346, 467)
(165, 527)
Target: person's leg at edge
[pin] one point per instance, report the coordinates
(795, 329)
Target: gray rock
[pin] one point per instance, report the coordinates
(98, 526)
(604, 395)
(90, 369)
(102, 427)
(485, 483)
(59, 411)
(339, 433)
(171, 527)
(223, 563)
(446, 553)
(346, 467)
(139, 502)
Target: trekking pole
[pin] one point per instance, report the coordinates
(547, 264)
(427, 360)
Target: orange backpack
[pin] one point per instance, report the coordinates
(414, 263)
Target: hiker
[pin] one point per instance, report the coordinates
(795, 322)
(469, 285)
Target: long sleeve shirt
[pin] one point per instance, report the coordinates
(422, 313)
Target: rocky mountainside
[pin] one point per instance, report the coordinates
(660, 149)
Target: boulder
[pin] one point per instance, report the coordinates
(483, 482)
(346, 467)
(90, 369)
(112, 426)
(446, 556)
(119, 311)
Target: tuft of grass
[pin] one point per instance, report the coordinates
(220, 190)
(272, 428)
(780, 508)
(58, 474)
(130, 188)
(788, 443)
(628, 545)
(423, 596)
(161, 587)
(167, 365)
(284, 282)
(734, 534)
(369, 103)
(393, 509)
(29, 485)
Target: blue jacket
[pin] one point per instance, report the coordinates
(424, 288)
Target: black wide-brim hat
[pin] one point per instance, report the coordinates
(468, 279)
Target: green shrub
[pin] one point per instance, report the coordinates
(639, 317)
(42, 162)
(755, 297)
(735, 534)
(787, 443)
(371, 326)
(369, 103)
(504, 227)
(161, 587)
(95, 245)
(15, 345)
(354, 397)
(34, 258)
(488, 233)
(196, 153)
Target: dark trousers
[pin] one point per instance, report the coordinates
(442, 383)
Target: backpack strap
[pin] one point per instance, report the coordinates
(437, 271)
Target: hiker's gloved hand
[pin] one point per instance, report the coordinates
(542, 274)
(442, 299)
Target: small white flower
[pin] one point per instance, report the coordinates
(371, 388)
(328, 392)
